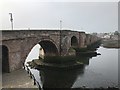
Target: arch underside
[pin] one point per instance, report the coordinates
(5, 59)
(74, 41)
(49, 48)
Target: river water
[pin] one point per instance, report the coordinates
(99, 71)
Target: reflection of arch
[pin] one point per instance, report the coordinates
(5, 59)
(74, 41)
(49, 47)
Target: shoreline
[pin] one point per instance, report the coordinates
(111, 43)
(17, 79)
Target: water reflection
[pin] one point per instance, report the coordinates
(59, 78)
(97, 71)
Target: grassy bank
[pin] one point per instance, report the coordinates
(111, 43)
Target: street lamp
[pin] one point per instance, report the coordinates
(11, 19)
(60, 35)
(60, 24)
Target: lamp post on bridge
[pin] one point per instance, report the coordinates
(11, 19)
(60, 24)
(60, 35)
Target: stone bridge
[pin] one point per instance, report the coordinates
(17, 44)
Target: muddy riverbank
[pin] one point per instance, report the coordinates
(17, 79)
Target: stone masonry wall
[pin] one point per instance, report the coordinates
(20, 42)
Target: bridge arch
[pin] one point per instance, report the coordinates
(74, 41)
(49, 47)
(5, 59)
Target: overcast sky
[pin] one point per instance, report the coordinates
(88, 16)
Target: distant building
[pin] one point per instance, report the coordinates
(111, 35)
(115, 37)
(106, 36)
